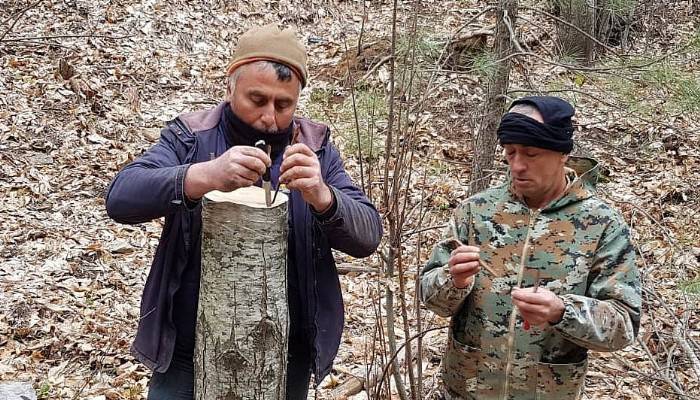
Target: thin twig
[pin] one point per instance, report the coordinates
(374, 67)
(668, 380)
(430, 228)
(678, 337)
(569, 24)
(23, 38)
(380, 381)
(17, 17)
(357, 120)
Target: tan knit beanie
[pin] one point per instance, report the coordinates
(269, 43)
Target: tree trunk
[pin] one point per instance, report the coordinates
(485, 141)
(607, 21)
(613, 21)
(579, 14)
(242, 320)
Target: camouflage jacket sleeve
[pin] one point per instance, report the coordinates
(437, 290)
(608, 317)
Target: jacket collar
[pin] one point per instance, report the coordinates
(582, 177)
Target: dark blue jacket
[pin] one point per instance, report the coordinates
(152, 187)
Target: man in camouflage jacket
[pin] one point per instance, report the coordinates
(540, 272)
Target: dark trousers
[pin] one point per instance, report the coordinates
(177, 383)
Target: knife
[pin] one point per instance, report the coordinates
(267, 186)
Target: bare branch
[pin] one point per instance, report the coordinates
(17, 17)
(569, 24)
(25, 38)
(678, 337)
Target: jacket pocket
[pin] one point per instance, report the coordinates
(561, 381)
(459, 369)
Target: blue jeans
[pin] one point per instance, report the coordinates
(177, 383)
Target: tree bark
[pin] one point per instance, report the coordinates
(485, 141)
(613, 21)
(242, 319)
(581, 14)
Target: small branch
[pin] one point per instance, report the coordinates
(17, 17)
(374, 67)
(49, 44)
(23, 38)
(196, 102)
(362, 270)
(443, 53)
(569, 24)
(513, 38)
(380, 381)
(678, 337)
(667, 379)
(357, 121)
(429, 228)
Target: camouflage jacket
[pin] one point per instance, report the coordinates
(581, 247)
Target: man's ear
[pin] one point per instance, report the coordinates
(564, 158)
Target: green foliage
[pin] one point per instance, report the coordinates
(371, 110)
(687, 95)
(569, 58)
(679, 89)
(438, 167)
(618, 7)
(427, 47)
(682, 88)
(369, 105)
(319, 102)
(694, 42)
(661, 74)
(133, 392)
(43, 391)
(691, 286)
(484, 64)
(630, 93)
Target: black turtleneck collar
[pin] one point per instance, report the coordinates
(240, 133)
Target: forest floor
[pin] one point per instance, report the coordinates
(87, 85)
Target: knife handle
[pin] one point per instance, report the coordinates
(266, 148)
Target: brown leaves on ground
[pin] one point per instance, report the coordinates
(86, 87)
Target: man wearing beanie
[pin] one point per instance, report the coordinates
(536, 271)
(214, 150)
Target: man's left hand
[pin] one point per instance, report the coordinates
(538, 308)
(301, 170)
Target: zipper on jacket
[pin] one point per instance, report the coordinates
(315, 235)
(514, 312)
(316, 353)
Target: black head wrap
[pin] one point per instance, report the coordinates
(556, 133)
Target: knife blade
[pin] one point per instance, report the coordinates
(266, 185)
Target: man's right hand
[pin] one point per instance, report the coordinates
(238, 167)
(463, 265)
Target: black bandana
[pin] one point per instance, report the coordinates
(556, 133)
(241, 134)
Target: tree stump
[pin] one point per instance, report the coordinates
(242, 319)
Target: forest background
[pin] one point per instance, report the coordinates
(408, 88)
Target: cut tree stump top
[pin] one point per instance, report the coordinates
(251, 196)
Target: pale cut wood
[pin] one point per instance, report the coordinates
(242, 319)
(251, 196)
